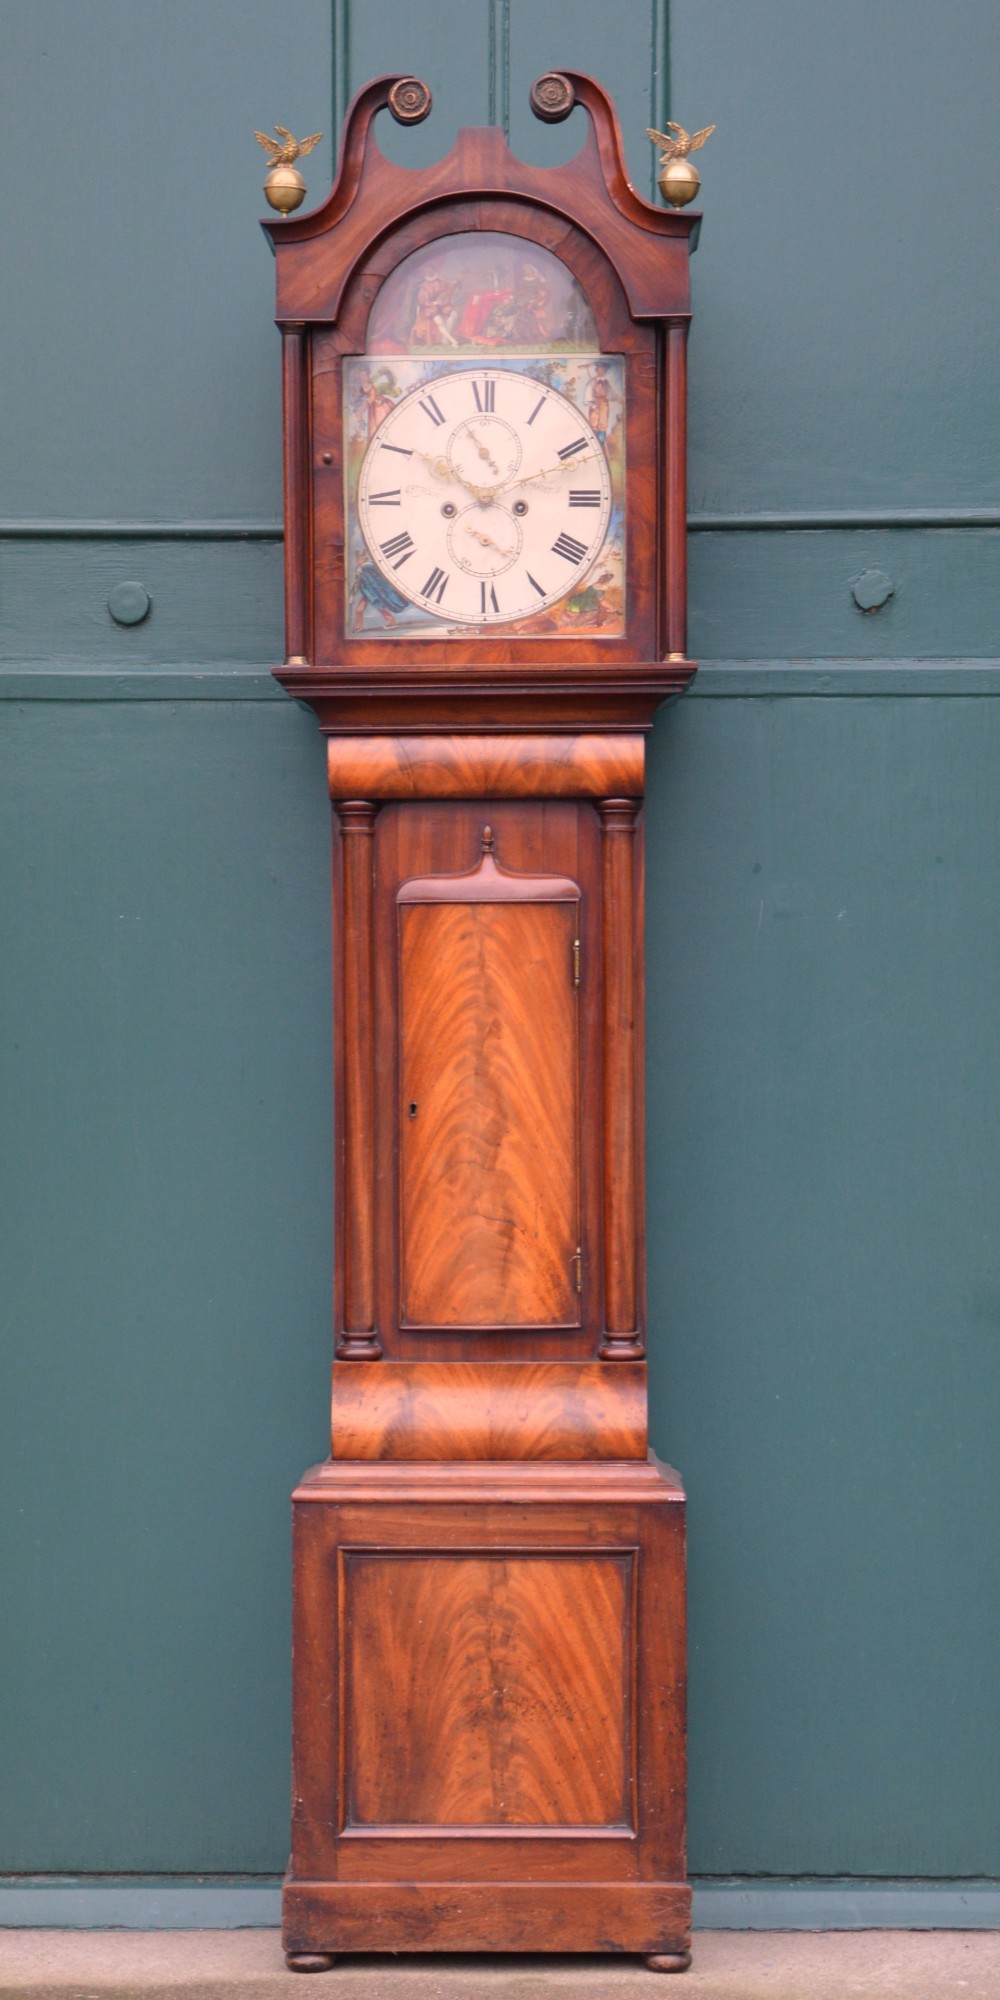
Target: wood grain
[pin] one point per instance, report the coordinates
(298, 580)
(674, 502)
(489, 1608)
(548, 848)
(647, 244)
(480, 1410)
(489, 1115)
(488, 1690)
(522, 1915)
(357, 820)
(495, 767)
(556, 1586)
(621, 1218)
(631, 259)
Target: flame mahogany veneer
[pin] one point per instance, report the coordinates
(489, 1615)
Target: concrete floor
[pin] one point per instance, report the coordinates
(728, 1965)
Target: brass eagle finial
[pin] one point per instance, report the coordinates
(284, 186)
(679, 181)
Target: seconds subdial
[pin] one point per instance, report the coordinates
(484, 541)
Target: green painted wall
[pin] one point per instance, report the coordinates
(823, 950)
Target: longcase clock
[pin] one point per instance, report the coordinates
(485, 530)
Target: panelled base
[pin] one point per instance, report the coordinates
(488, 1710)
(640, 1917)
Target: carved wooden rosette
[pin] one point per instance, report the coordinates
(489, 1579)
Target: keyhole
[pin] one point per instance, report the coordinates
(413, 1110)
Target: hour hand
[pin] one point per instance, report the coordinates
(441, 468)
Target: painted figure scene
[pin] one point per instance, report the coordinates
(479, 293)
(378, 604)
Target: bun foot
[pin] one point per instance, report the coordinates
(668, 1961)
(309, 1961)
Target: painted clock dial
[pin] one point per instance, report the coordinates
(484, 496)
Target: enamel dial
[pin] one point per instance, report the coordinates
(484, 496)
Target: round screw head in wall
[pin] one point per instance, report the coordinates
(129, 603)
(872, 589)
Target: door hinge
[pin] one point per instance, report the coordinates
(578, 1268)
(576, 961)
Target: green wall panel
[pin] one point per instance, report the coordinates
(823, 1134)
(209, 600)
(824, 1296)
(628, 59)
(846, 290)
(166, 1202)
(761, 596)
(137, 345)
(824, 1157)
(449, 44)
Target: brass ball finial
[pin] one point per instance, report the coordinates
(679, 181)
(284, 186)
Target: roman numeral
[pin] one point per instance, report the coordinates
(390, 498)
(589, 496)
(567, 546)
(484, 403)
(401, 545)
(430, 409)
(536, 409)
(570, 450)
(401, 448)
(483, 606)
(534, 585)
(436, 585)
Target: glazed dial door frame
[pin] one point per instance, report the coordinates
(492, 644)
(480, 481)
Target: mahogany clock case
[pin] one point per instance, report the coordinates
(489, 1614)
(630, 261)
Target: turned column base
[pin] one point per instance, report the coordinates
(309, 1961)
(668, 1961)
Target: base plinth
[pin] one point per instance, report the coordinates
(473, 1772)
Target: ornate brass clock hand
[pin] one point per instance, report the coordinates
(481, 448)
(549, 471)
(488, 542)
(441, 468)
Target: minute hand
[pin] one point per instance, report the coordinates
(550, 471)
